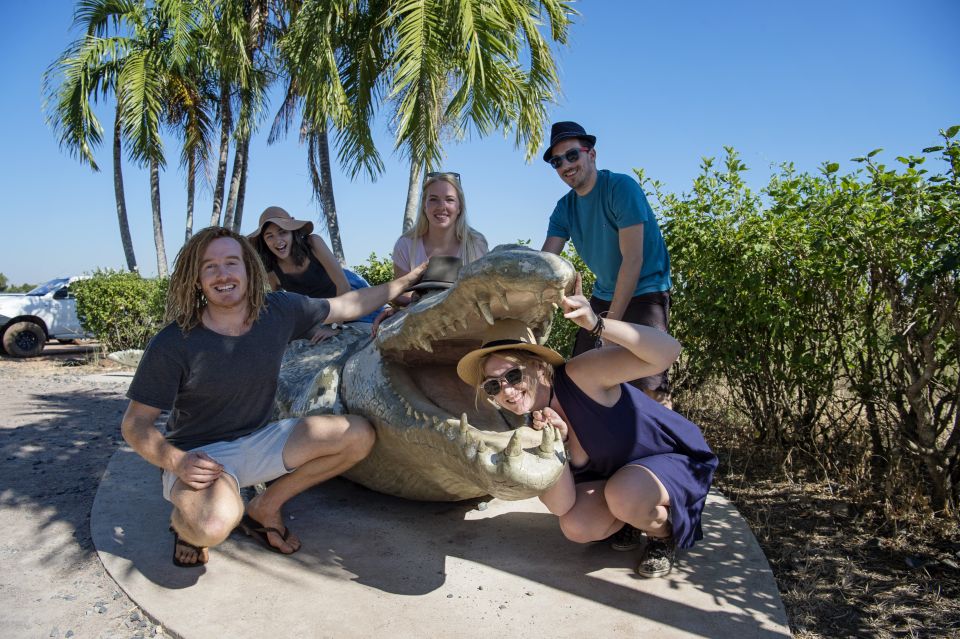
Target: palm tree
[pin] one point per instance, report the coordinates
(132, 49)
(457, 65)
(190, 97)
(331, 55)
(236, 31)
(443, 65)
(86, 72)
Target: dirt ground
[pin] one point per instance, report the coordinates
(57, 433)
(843, 570)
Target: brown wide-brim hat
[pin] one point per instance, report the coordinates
(504, 335)
(278, 216)
(441, 272)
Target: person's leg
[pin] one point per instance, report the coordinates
(319, 447)
(652, 309)
(589, 519)
(635, 495)
(204, 518)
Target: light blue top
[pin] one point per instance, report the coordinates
(594, 221)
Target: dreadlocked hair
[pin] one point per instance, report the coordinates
(185, 299)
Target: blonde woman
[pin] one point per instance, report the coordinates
(631, 460)
(441, 229)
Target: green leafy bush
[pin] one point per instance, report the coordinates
(377, 270)
(122, 309)
(826, 307)
(563, 332)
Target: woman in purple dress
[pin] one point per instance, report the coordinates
(631, 460)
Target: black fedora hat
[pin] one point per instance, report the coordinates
(442, 272)
(564, 130)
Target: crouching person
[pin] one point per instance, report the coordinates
(215, 368)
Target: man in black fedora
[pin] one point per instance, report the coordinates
(615, 231)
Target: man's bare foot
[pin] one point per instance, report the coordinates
(185, 554)
(269, 528)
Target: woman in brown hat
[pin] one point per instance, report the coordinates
(631, 460)
(297, 260)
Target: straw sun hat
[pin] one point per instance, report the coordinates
(278, 216)
(507, 334)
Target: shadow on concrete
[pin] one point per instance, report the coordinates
(508, 561)
(55, 447)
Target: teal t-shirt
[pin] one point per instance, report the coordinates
(594, 221)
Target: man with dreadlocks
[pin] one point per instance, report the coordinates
(215, 368)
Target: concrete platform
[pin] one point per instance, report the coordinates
(373, 565)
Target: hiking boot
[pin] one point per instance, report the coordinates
(627, 538)
(658, 557)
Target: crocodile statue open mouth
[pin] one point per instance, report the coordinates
(435, 439)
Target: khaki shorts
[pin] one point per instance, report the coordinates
(252, 459)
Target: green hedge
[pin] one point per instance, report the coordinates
(826, 306)
(122, 309)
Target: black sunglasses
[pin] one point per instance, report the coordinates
(570, 156)
(494, 385)
(434, 174)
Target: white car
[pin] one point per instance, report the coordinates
(28, 320)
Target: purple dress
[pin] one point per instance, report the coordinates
(638, 430)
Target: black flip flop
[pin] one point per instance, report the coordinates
(177, 541)
(253, 528)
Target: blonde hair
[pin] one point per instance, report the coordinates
(526, 359)
(469, 238)
(185, 299)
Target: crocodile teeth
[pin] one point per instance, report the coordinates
(484, 307)
(502, 296)
(514, 448)
(546, 445)
(464, 425)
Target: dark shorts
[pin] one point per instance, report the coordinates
(649, 309)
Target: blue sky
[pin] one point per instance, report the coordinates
(660, 84)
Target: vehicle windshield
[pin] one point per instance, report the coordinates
(52, 285)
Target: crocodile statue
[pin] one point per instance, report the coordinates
(436, 440)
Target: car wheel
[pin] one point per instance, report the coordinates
(24, 339)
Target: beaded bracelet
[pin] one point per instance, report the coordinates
(598, 328)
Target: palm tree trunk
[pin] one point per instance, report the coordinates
(318, 152)
(242, 190)
(413, 196)
(121, 199)
(191, 188)
(226, 124)
(228, 214)
(157, 220)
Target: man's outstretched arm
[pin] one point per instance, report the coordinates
(356, 304)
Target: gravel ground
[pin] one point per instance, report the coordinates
(58, 430)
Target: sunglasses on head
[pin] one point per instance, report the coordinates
(570, 156)
(434, 174)
(494, 385)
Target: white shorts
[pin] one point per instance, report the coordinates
(252, 459)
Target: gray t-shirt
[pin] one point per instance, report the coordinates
(218, 387)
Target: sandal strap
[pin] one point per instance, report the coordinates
(180, 541)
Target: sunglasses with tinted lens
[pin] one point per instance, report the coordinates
(494, 385)
(570, 156)
(434, 174)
